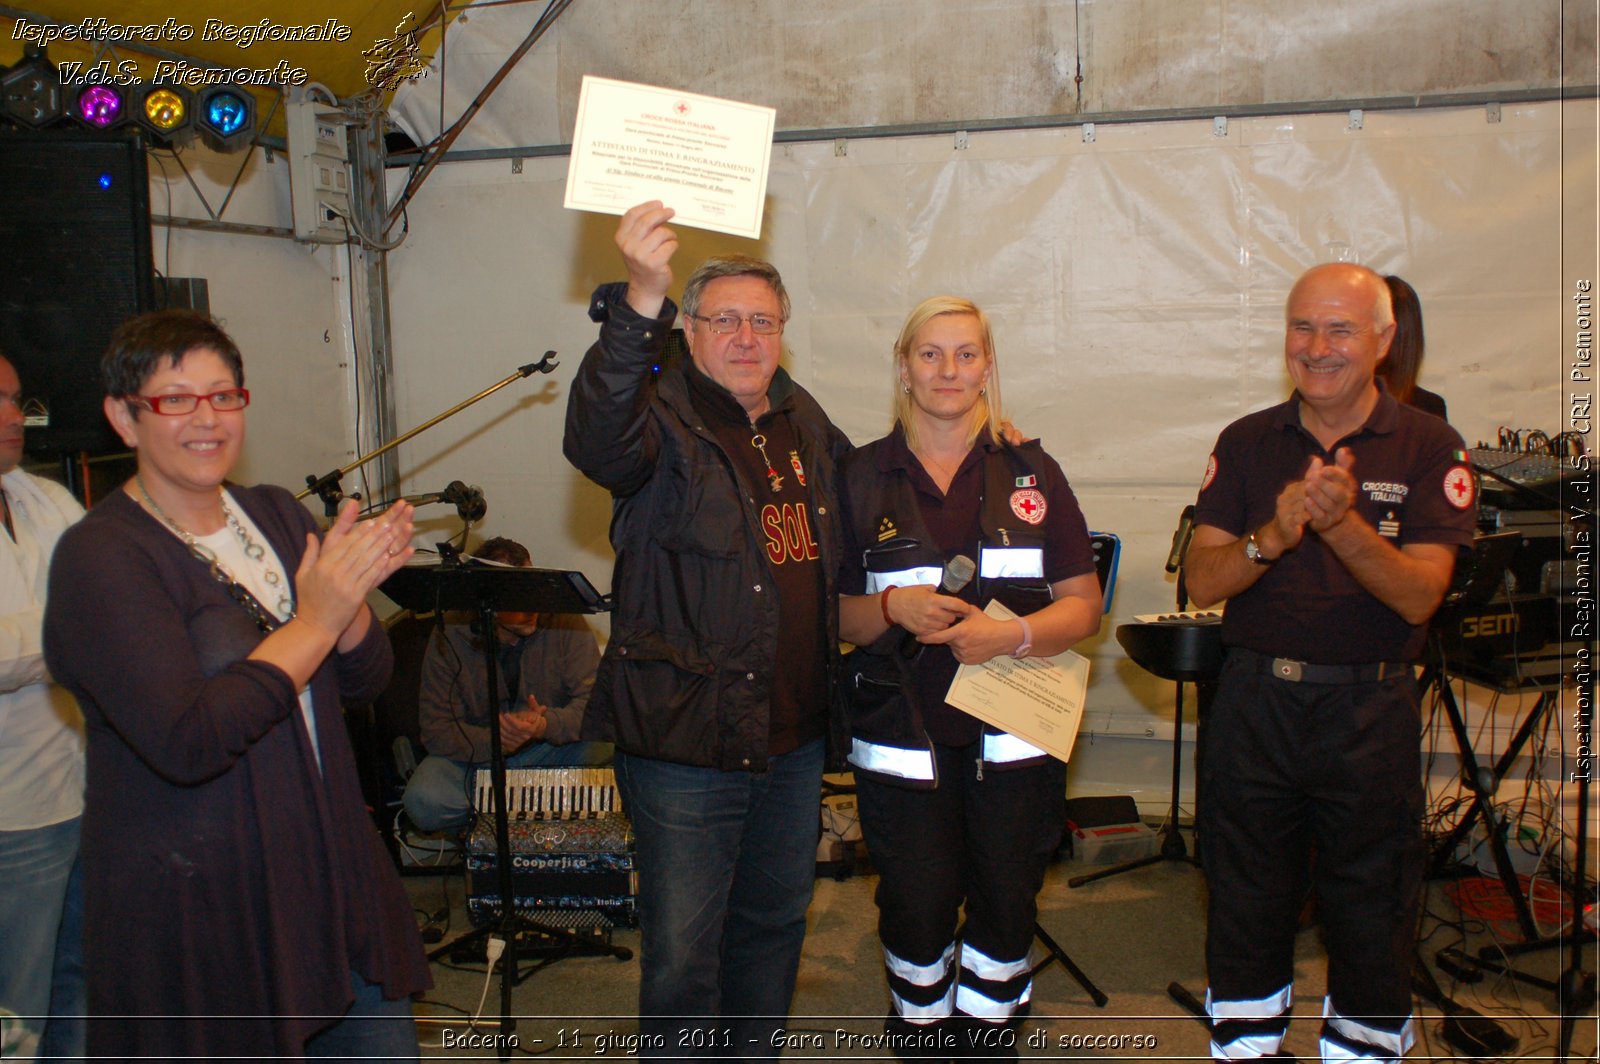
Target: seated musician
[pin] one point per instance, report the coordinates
(546, 668)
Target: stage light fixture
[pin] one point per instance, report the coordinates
(98, 106)
(30, 92)
(226, 117)
(167, 111)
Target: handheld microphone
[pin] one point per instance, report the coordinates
(958, 573)
(1181, 538)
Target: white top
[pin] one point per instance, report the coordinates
(41, 729)
(229, 549)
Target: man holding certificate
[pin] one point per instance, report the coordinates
(953, 811)
(715, 684)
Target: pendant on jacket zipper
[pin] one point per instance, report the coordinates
(759, 442)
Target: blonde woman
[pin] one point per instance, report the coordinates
(956, 814)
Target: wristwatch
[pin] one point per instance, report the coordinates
(1252, 550)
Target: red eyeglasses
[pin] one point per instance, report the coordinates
(176, 404)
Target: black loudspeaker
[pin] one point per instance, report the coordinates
(75, 236)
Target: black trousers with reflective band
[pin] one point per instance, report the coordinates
(981, 845)
(1292, 765)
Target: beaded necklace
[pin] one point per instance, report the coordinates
(253, 551)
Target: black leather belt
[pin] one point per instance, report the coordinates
(1309, 672)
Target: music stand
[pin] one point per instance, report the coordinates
(486, 589)
(1183, 653)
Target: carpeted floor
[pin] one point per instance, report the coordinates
(1131, 935)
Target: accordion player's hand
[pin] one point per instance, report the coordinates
(523, 726)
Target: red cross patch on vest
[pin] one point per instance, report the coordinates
(1028, 504)
(1458, 491)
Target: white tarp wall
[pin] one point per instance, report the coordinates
(870, 64)
(1135, 282)
(285, 304)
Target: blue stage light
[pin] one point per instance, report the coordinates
(227, 117)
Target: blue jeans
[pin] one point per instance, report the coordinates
(373, 1029)
(41, 935)
(727, 861)
(439, 794)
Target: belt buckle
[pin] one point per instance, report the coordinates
(1286, 669)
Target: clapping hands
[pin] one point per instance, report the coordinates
(351, 559)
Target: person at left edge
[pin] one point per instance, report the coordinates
(41, 769)
(956, 814)
(238, 900)
(715, 683)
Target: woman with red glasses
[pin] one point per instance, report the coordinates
(237, 899)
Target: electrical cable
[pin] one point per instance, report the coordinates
(166, 182)
(494, 947)
(355, 360)
(352, 223)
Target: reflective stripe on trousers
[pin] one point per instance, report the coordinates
(912, 1005)
(971, 988)
(991, 989)
(1346, 1039)
(1246, 1029)
(1343, 1038)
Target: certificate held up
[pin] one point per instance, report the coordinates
(704, 157)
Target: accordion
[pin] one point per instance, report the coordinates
(571, 850)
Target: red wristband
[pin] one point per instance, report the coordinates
(883, 604)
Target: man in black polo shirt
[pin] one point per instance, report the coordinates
(1331, 524)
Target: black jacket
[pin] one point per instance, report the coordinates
(688, 672)
(879, 499)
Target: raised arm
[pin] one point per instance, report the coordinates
(609, 436)
(647, 247)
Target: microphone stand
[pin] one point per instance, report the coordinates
(327, 485)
